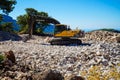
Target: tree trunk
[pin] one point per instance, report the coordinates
(31, 21)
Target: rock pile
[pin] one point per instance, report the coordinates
(67, 60)
(103, 36)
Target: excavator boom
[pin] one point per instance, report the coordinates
(64, 34)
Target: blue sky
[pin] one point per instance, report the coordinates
(84, 14)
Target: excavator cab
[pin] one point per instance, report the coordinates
(60, 27)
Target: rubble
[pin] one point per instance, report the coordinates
(67, 60)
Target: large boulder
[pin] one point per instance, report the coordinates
(10, 56)
(53, 75)
(118, 39)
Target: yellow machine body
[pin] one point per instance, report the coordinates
(65, 36)
(67, 32)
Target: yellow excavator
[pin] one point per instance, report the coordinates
(63, 35)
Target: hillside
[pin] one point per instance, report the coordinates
(108, 29)
(7, 18)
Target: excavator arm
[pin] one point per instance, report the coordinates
(36, 18)
(64, 36)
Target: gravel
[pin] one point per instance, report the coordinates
(42, 56)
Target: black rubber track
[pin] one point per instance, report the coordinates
(65, 42)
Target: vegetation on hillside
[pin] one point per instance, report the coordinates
(6, 6)
(108, 29)
(8, 27)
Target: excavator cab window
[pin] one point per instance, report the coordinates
(60, 28)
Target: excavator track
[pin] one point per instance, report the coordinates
(66, 41)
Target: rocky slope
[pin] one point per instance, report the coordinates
(40, 56)
(105, 36)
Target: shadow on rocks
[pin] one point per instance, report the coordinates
(53, 75)
(82, 44)
(86, 44)
(77, 78)
(4, 36)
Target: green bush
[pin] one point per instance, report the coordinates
(1, 58)
(7, 27)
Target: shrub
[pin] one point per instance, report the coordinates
(98, 73)
(1, 58)
(7, 27)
